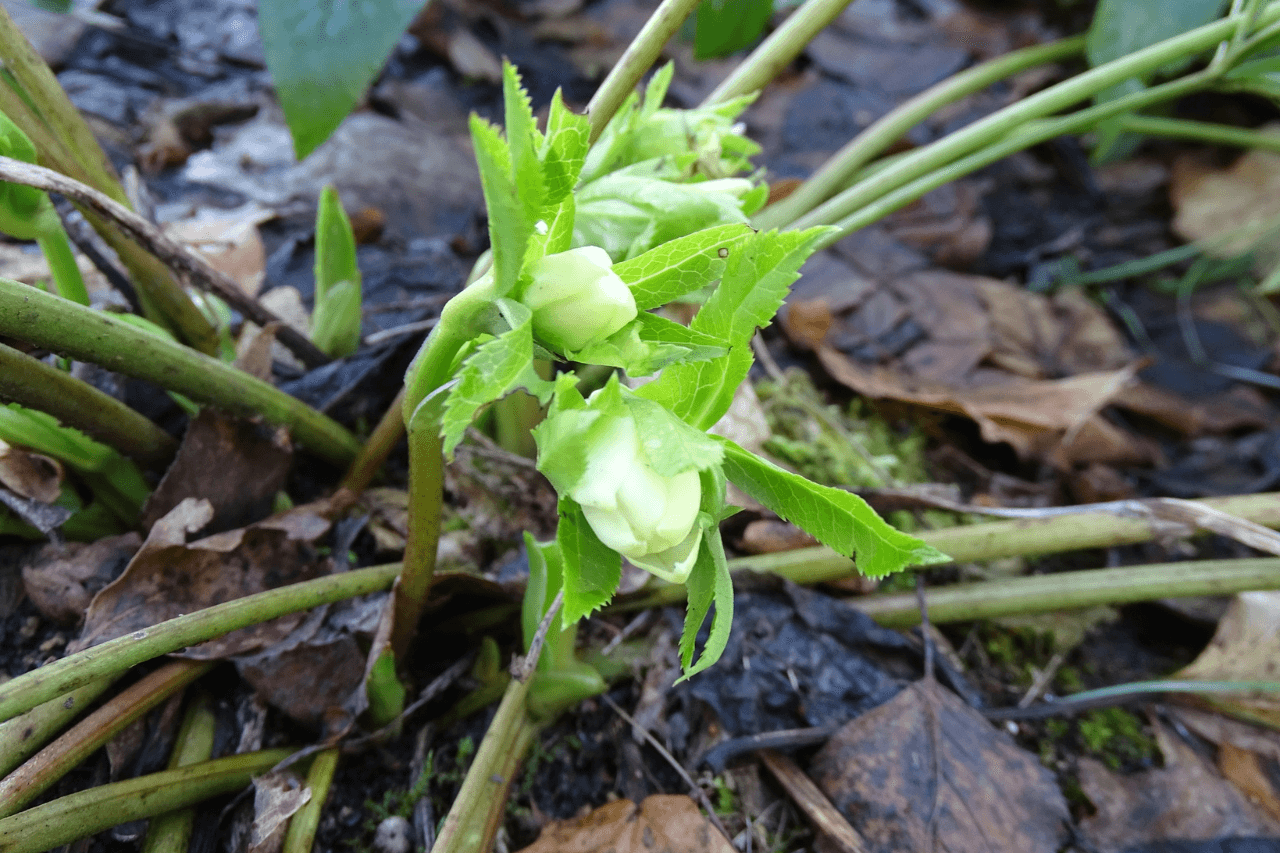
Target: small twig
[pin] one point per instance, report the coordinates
(178, 257)
(1042, 680)
(696, 789)
(522, 667)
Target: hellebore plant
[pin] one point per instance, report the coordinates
(638, 475)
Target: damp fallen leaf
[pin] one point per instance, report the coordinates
(1245, 647)
(61, 580)
(925, 767)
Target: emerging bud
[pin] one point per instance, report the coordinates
(646, 517)
(577, 299)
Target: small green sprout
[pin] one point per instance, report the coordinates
(335, 322)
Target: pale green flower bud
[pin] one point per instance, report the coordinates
(646, 517)
(577, 299)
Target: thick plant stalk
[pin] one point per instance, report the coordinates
(24, 735)
(73, 330)
(115, 656)
(636, 60)
(841, 168)
(79, 815)
(777, 51)
(171, 831)
(54, 761)
(75, 403)
(1075, 590)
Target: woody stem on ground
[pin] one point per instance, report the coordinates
(54, 679)
(46, 321)
(992, 131)
(636, 61)
(836, 172)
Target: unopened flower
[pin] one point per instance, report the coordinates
(646, 517)
(577, 299)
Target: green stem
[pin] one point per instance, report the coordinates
(1012, 119)
(24, 735)
(636, 60)
(62, 266)
(777, 51)
(171, 831)
(477, 811)
(115, 656)
(872, 142)
(58, 758)
(75, 403)
(374, 452)
(426, 495)
(87, 812)
(1075, 590)
(301, 834)
(73, 330)
(1200, 131)
(1030, 134)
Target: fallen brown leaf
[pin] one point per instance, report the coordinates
(1245, 647)
(663, 823)
(925, 767)
(61, 580)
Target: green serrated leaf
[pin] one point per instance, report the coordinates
(495, 369)
(655, 92)
(670, 444)
(523, 140)
(592, 570)
(323, 54)
(699, 393)
(509, 226)
(650, 344)
(709, 583)
(681, 266)
(564, 149)
(756, 279)
(838, 519)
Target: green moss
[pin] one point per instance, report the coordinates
(1118, 738)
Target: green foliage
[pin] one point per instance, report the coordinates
(335, 322)
(323, 54)
(1121, 27)
(1118, 737)
(727, 26)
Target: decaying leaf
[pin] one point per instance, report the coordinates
(30, 475)
(230, 243)
(234, 464)
(169, 577)
(925, 767)
(1246, 647)
(61, 580)
(277, 796)
(663, 823)
(1186, 799)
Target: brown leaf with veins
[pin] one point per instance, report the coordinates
(662, 823)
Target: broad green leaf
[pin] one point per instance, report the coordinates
(1121, 27)
(670, 444)
(723, 27)
(756, 279)
(838, 519)
(699, 393)
(496, 368)
(552, 233)
(509, 226)
(322, 55)
(709, 583)
(563, 433)
(592, 569)
(523, 141)
(680, 266)
(649, 344)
